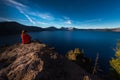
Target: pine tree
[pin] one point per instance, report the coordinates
(115, 62)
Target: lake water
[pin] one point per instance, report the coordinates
(92, 42)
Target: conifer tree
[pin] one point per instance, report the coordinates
(115, 62)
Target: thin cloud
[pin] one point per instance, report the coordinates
(43, 23)
(93, 20)
(66, 18)
(21, 11)
(29, 18)
(42, 15)
(21, 7)
(4, 19)
(15, 3)
(68, 22)
(45, 16)
(25, 10)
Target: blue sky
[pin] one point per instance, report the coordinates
(62, 13)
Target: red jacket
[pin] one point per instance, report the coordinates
(25, 38)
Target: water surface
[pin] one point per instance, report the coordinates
(92, 42)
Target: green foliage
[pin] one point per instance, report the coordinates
(78, 57)
(72, 54)
(115, 62)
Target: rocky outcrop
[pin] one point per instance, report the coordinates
(36, 61)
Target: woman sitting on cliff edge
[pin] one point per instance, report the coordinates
(25, 37)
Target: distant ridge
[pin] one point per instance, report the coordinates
(15, 28)
(116, 29)
(9, 28)
(51, 28)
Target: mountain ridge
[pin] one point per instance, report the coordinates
(7, 28)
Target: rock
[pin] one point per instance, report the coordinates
(36, 61)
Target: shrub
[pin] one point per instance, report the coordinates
(72, 54)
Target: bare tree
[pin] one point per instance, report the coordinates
(95, 65)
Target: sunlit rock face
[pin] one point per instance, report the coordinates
(36, 61)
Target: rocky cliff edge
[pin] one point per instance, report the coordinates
(36, 61)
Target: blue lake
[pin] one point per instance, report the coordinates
(92, 42)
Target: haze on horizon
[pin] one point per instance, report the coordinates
(66, 13)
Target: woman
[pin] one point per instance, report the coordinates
(25, 37)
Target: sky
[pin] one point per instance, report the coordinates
(84, 14)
